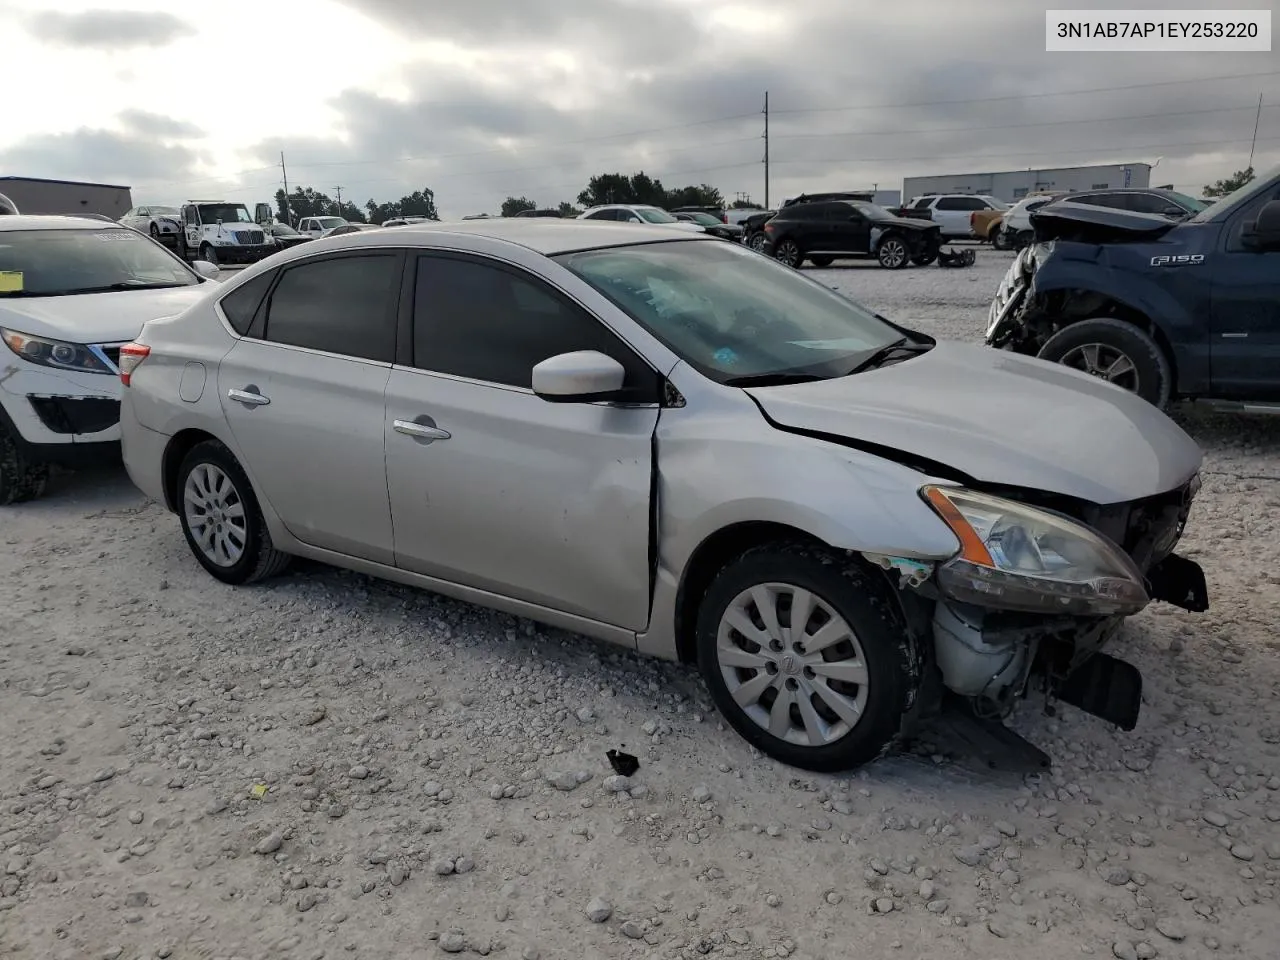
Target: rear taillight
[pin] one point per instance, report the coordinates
(131, 355)
(973, 218)
(769, 228)
(724, 218)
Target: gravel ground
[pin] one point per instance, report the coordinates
(329, 766)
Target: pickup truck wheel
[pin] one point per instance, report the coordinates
(788, 252)
(221, 518)
(806, 656)
(999, 239)
(208, 254)
(822, 261)
(21, 478)
(893, 254)
(1115, 351)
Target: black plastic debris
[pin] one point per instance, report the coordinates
(957, 258)
(624, 764)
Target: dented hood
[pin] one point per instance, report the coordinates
(1001, 419)
(1087, 223)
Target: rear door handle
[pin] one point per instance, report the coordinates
(250, 397)
(420, 431)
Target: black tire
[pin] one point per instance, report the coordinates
(863, 598)
(155, 233)
(259, 559)
(788, 251)
(21, 478)
(893, 253)
(183, 253)
(925, 259)
(822, 261)
(208, 254)
(999, 239)
(757, 241)
(1151, 375)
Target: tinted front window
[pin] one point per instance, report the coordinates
(241, 304)
(344, 305)
(602, 215)
(483, 322)
(48, 263)
(730, 313)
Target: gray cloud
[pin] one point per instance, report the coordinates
(98, 155)
(157, 125)
(109, 29)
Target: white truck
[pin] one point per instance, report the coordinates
(951, 211)
(317, 227)
(223, 232)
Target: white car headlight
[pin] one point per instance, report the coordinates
(55, 353)
(1016, 557)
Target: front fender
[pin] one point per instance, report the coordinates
(1168, 300)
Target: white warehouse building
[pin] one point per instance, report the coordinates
(1014, 184)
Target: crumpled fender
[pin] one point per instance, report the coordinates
(1124, 274)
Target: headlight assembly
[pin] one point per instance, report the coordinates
(1016, 557)
(55, 353)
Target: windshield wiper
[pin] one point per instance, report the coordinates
(888, 352)
(771, 379)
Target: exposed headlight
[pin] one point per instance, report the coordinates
(1016, 557)
(55, 353)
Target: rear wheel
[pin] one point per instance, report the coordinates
(822, 261)
(1115, 351)
(757, 241)
(805, 655)
(221, 518)
(208, 254)
(788, 252)
(893, 253)
(999, 239)
(21, 478)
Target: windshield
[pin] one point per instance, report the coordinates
(283, 230)
(1224, 206)
(731, 313)
(871, 211)
(164, 211)
(49, 263)
(226, 212)
(329, 223)
(705, 219)
(996, 204)
(654, 215)
(1190, 203)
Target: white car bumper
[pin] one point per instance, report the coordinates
(49, 409)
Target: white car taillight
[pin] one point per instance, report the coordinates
(131, 355)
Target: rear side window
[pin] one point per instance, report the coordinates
(802, 211)
(345, 305)
(240, 306)
(922, 203)
(603, 215)
(483, 322)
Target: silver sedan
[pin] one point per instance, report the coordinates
(677, 445)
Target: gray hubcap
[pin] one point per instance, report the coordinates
(209, 255)
(757, 242)
(1104, 362)
(789, 253)
(215, 515)
(893, 253)
(792, 663)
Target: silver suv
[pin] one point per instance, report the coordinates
(680, 446)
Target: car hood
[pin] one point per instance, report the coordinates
(1064, 220)
(907, 223)
(999, 418)
(97, 317)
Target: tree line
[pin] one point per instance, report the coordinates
(601, 189)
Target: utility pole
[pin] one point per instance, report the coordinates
(288, 218)
(766, 150)
(1254, 144)
(339, 189)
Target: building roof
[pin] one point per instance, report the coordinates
(68, 183)
(1001, 173)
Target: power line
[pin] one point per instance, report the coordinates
(1029, 96)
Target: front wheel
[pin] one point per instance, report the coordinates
(999, 239)
(806, 657)
(155, 232)
(221, 519)
(893, 253)
(757, 241)
(208, 254)
(21, 478)
(788, 252)
(1115, 351)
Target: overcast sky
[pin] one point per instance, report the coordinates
(478, 99)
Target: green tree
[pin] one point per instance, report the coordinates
(702, 195)
(304, 202)
(420, 203)
(745, 205)
(567, 209)
(513, 205)
(1229, 185)
(642, 188)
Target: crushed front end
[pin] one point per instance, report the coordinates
(1040, 585)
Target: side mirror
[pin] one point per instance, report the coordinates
(205, 269)
(1264, 233)
(583, 376)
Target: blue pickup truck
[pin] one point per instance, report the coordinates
(1172, 311)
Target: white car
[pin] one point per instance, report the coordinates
(639, 213)
(72, 290)
(317, 227)
(951, 211)
(162, 223)
(1015, 225)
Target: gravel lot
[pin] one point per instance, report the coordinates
(329, 766)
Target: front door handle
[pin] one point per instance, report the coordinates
(420, 431)
(250, 397)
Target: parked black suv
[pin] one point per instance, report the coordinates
(831, 230)
(1171, 310)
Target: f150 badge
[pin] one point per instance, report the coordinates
(1178, 260)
